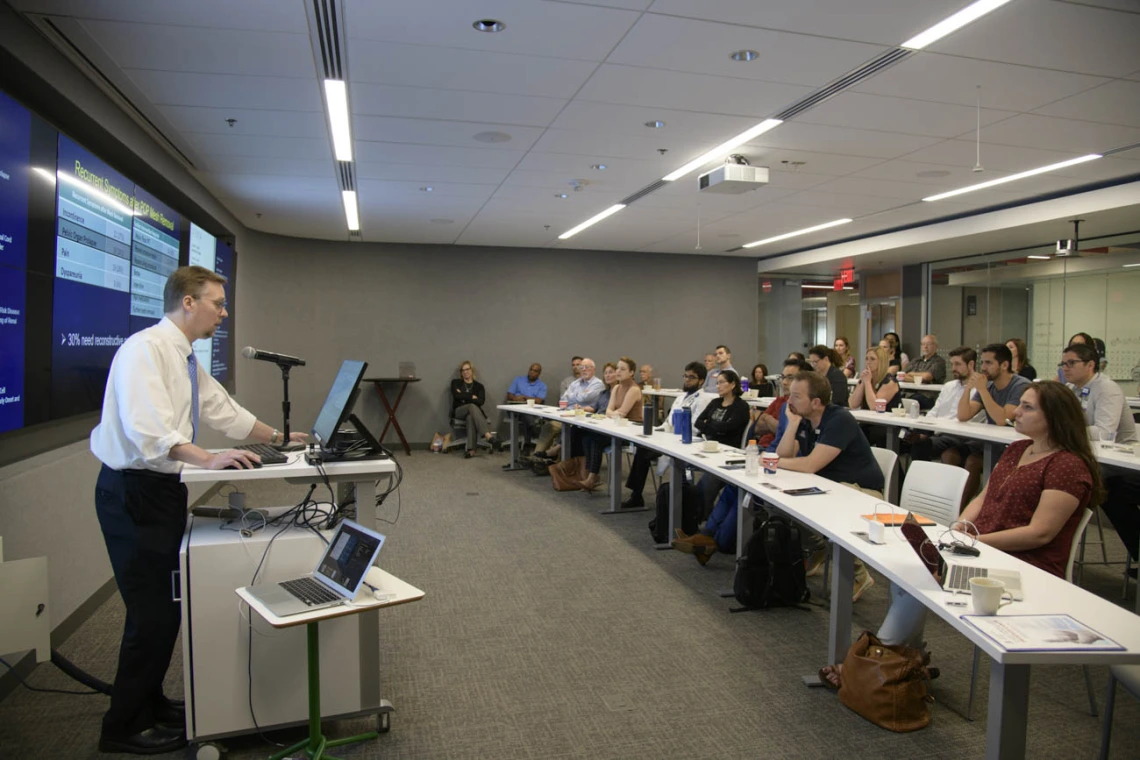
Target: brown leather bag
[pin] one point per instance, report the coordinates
(886, 684)
(565, 476)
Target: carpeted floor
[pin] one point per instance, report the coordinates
(551, 631)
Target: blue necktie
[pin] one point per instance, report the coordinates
(192, 364)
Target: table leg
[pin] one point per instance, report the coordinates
(676, 491)
(988, 450)
(314, 745)
(391, 410)
(514, 463)
(566, 441)
(743, 500)
(842, 586)
(1008, 712)
(615, 477)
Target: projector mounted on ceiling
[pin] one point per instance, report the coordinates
(733, 178)
(1066, 248)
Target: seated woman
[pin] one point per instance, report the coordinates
(846, 360)
(875, 382)
(760, 382)
(1031, 505)
(624, 400)
(896, 358)
(724, 421)
(467, 397)
(826, 362)
(1020, 364)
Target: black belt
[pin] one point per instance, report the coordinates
(176, 477)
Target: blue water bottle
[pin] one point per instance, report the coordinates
(676, 421)
(686, 425)
(743, 385)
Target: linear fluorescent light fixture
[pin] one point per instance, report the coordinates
(805, 231)
(1042, 258)
(971, 12)
(351, 214)
(336, 96)
(722, 150)
(592, 221)
(1015, 177)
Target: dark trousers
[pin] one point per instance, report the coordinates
(594, 446)
(143, 516)
(1122, 505)
(639, 470)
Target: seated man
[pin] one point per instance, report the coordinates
(1106, 410)
(583, 393)
(550, 430)
(925, 446)
(770, 423)
(723, 361)
(645, 375)
(930, 366)
(524, 388)
(996, 390)
(824, 438)
(692, 399)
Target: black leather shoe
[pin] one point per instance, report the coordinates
(635, 500)
(171, 715)
(152, 741)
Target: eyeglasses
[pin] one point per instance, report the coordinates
(221, 303)
(789, 378)
(1069, 364)
(690, 376)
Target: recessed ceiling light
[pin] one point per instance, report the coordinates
(655, 124)
(933, 173)
(443, 221)
(804, 231)
(561, 195)
(598, 167)
(591, 221)
(1014, 177)
(492, 137)
(953, 23)
(744, 56)
(489, 25)
(426, 189)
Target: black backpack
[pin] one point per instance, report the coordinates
(690, 503)
(771, 571)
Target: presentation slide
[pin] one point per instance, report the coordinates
(202, 246)
(89, 325)
(15, 142)
(11, 348)
(220, 353)
(154, 256)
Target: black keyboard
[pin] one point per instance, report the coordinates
(268, 454)
(309, 591)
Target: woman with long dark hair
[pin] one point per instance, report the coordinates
(1031, 506)
(1020, 364)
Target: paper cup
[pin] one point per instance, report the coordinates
(880, 405)
(917, 379)
(711, 446)
(562, 404)
(530, 402)
(770, 462)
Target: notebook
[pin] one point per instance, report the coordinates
(334, 581)
(954, 577)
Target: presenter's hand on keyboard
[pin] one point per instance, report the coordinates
(234, 459)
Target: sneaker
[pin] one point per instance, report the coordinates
(635, 500)
(816, 562)
(863, 581)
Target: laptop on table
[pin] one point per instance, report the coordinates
(334, 581)
(954, 577)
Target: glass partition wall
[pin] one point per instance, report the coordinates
(1044, 299)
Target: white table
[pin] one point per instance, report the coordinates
(839, 518)
(926, 387)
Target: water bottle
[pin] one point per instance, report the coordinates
(743, 385)
(647, 418)
(752, 459)
(677, 421)
(686, 425)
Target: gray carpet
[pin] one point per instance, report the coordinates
(551, 631)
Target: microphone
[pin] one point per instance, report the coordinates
(249, 352)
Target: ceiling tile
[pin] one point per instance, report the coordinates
(247, 121)
(914, 117)
(473, 70)
(865, 143)
(421, 173)
(425, 103)
(210, 51)
(263, 15)
(689, 92)
(438, 132)
(222, 91)
(285, 148)
(1074, 137)
(606, 146)
(1051, 35)
(703, 47)
(435, 155)
(1117, 102)
(404, 192)
(1003, 86)
(622, 119)
(887, 22)
(561, 30)
(294, 167)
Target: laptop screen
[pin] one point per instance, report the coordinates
(923, 546)
(337, 404)
(348, 558)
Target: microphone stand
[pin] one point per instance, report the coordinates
(285, 444)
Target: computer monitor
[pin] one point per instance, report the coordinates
(338, 404)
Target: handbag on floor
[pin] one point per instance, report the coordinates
(887, 685)
(565, 476)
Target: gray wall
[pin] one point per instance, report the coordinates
(501, 308)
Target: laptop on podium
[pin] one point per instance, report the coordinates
(334, 581)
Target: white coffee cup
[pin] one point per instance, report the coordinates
(711, 446)
(620, 421)
(916, 379)
(530, 402)
(988, 595)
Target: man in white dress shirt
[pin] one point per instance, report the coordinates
(156, 397)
